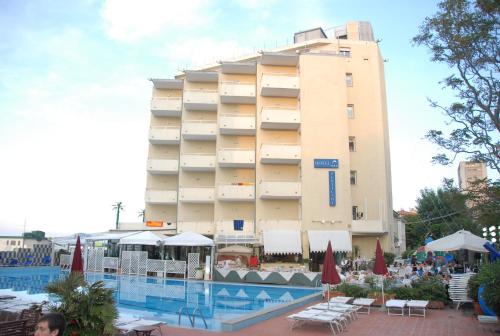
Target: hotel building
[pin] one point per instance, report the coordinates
(284, 149)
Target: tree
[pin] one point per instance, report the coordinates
(464, 35)
(118, 207)
(483, 200)
(89, 309)
(142, 214)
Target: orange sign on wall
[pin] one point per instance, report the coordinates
(154, 224)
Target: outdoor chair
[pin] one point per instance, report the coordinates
(46, 260)
(457, 289)
(341, 299)
(28, 261)
(395, 304)
(417, 305)
(13, 328)
(349, 311)
(13, 262)
(31, 316)
(332, 319)
(364, 303)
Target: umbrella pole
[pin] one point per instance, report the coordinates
(328, 296)
(383, 296)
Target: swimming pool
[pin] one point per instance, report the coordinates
(161, 299)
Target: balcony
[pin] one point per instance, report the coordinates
(201, 100)
(161, 197)
(167, 84)
(166, 106)
(197, 194)
(237, 93)
(280, 154)
(201, 227)
(202, 76)
(163, 166)
(198, 162)
(280, 119)
(234, 124)
(280, 85)
(244, 68)
(236, 192)
(165, 135)
(366, 227)
(199, 130)
(284, 190)
(279, 58)
(236, 158)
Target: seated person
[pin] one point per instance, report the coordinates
(52, 324)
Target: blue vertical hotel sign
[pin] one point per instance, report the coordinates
(331, 188)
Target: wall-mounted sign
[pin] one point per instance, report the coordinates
(331, 188)
(326, 163)
(154, 224)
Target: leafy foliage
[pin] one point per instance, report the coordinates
(489, 276)
(483, 198)
(352, 290)
(431, 289)
(463, 34)
(89, 308)
(389, 258)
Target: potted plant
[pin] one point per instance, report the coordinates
(375, 291)
(489, 278)
(89, 309)
(433, 290)
(199, 273)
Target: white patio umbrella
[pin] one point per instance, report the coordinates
(459, 240)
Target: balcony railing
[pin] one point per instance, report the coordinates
(165, 135)
(198, 162)
(285, 190)
(286, 154)
(163, 166)
(280, 118)
(197, 194)
(166, 106)
(237, 93)
(165, 197)
(200, 130)
(236, 124)
(236, 158)
(280, 85)
(201, 100)
(237, 192)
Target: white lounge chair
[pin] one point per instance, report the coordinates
(364, 303)
(417, 305)
(349, 311)
(306, 316)
(395, 304)
(457, 289)
(341, 299)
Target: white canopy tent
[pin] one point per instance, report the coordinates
(459, 240)
(188, 239)
(142, 238)
(110, 236)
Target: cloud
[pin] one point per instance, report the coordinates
(131, 20)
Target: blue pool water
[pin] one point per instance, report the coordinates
(160, 299)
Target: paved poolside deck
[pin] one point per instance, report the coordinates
(446, 322)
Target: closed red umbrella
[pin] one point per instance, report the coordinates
(329, 275)
(380, 268)
(77, 264)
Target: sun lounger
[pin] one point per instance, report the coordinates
(363, 304)
(305, 316)
(347, 313)
(395, 304)
(141, 327)
(417, 305)
(341, 299)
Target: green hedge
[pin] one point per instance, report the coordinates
(431, 289)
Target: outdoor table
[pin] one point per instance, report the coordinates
(365, 303)
(395, 304)
(145, 330)
(416, 305)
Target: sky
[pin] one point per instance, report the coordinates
(74, 93)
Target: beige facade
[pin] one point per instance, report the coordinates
(11, 243)
(469, 172)
(239, 140)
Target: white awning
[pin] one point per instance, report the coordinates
(188, 239)
(459, 240)
(318, 240)
(235, 249)
(142, 238)
(282, 242)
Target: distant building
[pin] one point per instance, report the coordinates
(10, 243)
(469, 172)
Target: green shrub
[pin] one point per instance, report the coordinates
(431, 288)
(389, 258)
(489, 276)
(406, 293)
(473, 286)
(352, 290)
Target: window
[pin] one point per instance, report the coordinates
(354, 212)
(12, 242)
(348, 79)
(352, 144)
(354, 177)
(350, 111)
(345, 52)
(18, 242)
(7, 242)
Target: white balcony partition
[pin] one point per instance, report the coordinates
(280, 118)
(368, 227)
(197, 194)
(280, 154)
(236, 192)
(201, 100)
(280, 190)
(198, 162)
(280, 85)
(234, 124)
(165, 135)
(163, 166)
(236, 158)
(199, 130)
(166, 106)
(237, 93)
(154, 196)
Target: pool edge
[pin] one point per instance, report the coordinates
(265, 314)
